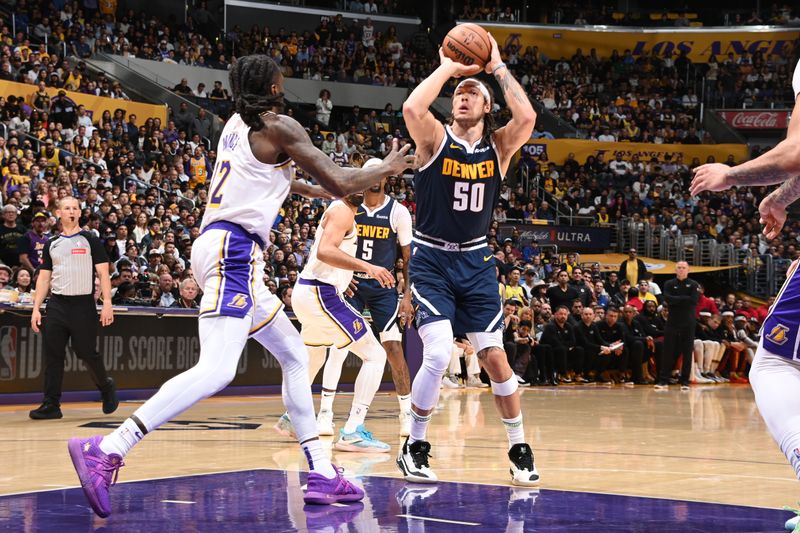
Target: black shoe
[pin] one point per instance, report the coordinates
(413, 462)
(110, 401)
(523, 471)
(46, 411)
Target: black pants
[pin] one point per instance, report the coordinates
(677, 340)
(70, 317)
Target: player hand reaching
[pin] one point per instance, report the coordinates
(772, 214)
(711, 177)
(399, 160)
(495, 58)
(406, 311)
(456, 69)
(383, 276)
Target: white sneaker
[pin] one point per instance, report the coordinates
(474, 382)
(413, 462)
(325, 423)
(792, 523)
(523, 469)
(405, 424)
(450, 382)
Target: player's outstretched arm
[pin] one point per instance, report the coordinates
(338, 222)
(776, 166)
(292, 139)
(309, 191)
(516, 133)
(425, 130)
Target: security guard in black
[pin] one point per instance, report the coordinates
(69, 263)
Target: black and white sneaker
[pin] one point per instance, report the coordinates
(523, 471)
(413, 462)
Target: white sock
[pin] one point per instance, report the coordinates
(514, 430)
(419, 426)
(358, 412)
(317, 460)
(326, 400)
(405, 403)
(122, 439)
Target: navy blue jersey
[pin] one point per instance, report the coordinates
(457, 190)
(377, 238)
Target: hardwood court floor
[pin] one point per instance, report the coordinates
(708, 444)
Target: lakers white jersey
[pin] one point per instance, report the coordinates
(316, 269)
(244, 190)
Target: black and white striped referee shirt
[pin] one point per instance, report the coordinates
(71, 260)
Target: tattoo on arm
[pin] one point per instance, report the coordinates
(763, 175)
(788, 192)
(511, 88)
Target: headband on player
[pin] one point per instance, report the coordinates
(481, 87)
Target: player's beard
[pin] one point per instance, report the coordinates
(355, 199)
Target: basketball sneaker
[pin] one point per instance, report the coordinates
(413, 462)
(411, 497)
(359, 440)
(323, 491)
(523, 471)
(95, 470)
(325, 423)
(474, 382)
(405, 424)
(285, 427)
(450, 382)
(661, 386)
(793, 524)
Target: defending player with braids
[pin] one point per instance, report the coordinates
(252, 178)
(255, 91)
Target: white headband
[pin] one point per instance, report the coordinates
(481, 87)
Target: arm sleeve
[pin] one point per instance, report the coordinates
(99, 254)
(796, 80)
(47, 261)
(402, 223)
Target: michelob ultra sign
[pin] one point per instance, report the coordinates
(699, 43)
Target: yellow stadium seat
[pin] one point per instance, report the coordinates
(618, 16)
(696, 24)
(691, 16)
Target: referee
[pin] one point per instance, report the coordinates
(681, 295)
(67, 266)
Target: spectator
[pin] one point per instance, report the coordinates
(632, 268)
(324, 107)
(188, 295)
(10, 234)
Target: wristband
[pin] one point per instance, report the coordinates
(498, 67)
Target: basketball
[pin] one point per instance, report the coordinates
(468, 44)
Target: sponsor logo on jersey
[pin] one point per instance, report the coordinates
(778, 335)
(239, 301)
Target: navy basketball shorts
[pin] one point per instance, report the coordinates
(383, 302)
(457, 286)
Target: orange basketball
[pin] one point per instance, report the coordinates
(468, 44)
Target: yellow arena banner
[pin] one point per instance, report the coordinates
(95, 105)
(557, 150)
(699, 44)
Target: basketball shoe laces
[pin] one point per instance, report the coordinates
(109, 470)
(420, 451)
(523, 458)
(344, 486)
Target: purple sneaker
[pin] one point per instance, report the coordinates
(323, 491)
(95, 470)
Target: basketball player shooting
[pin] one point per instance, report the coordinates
(452, 271)
(775, 373)
(251, 180)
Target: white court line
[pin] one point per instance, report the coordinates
(442, 520)
(178, 501)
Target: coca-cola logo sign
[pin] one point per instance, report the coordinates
(756, 120)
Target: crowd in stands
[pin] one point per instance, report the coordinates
(143, 184)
